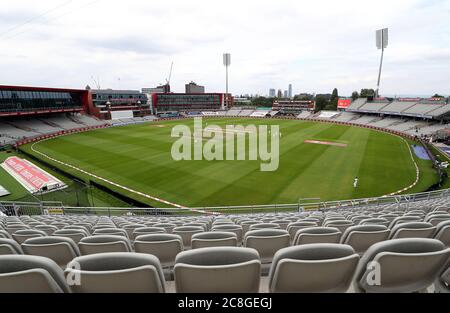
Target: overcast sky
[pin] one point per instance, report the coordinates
(315, 45)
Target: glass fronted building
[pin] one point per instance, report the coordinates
(187, 102)
(17, 100)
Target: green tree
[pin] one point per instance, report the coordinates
(367, 93)
(321, 103)
(355, 95)
(437, 96)
(333, 100)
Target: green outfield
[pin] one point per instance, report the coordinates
(139, 157)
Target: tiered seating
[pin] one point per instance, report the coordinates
(346, 117)
(245, 112)
(233, 112)
(304, 114)
(407, 125)
(385, 122)
(372, 106)
(260, 113)
(397, 107)
(422, 109)
(365, 120)
(355, 105)
(312, 251)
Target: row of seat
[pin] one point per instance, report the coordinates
(400, 265)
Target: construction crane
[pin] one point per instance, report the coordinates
(167, 86)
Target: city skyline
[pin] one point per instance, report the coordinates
(65, 44)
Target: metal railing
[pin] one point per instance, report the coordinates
(51, 207)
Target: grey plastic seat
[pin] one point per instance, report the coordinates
(167, 226)
(60, 249)
(214, 239)
(442, 283)
(412, 230)
(30, 274)
(247, 224)
(11, 229)
(147, 230)
(23, 234)
(437, 218)
(104, 243)
(267, 242)
(375, 221)
(48, 229)
(361, 237)
(9, 246)
(342, 225)
(5, 234)
(400, 265)
(317, 235)
(404, 219)
(164, 246)
(117, 272)
(186, 233)
(237, 229)
(217, 269)
(129, 228)
(110, 231)
(292, 228)
(443, 233)
(202, 225)
(264, 226)
(320, 267)
(282, 223)
(75, 234)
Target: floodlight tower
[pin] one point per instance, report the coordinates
(226, 63)
(382, 42)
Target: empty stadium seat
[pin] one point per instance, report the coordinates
(186, 233)
(361, 237)
(317, 235)
(5, 234)
(167, 226)
(48, 229)
(443, 233)
(217, 269)
(110, 231)
(164, 246)
(23, 234)
(31, 274)
(9, 246)
(147, 230)
(292, 228)
(267, 242)
(435, 219)
(375, 221)
(237, 229)
(317, 267)
(412, 230)
(404, 219)
(75, 234)
(400, 265)
(264, 226)
(60, 249)
(117, 272)
(342, 225)
(104, 243)
(214, 239)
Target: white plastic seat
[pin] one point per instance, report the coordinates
(361, 237)
(217, 269)
(104, 243)
(317, 235)
(320, 267)
(214, 239)
(267, 242)
(412, 230)
(117, 272)
(60, 249)
(164, 246)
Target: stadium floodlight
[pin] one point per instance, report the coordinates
(382, 42)
(226, 63)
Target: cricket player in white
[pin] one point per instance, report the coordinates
(355, 182)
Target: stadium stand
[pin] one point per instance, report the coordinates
(397, 107)
(355, 105)
(313, 245)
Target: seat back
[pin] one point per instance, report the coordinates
(214, 239)
(59, 249)
(117, 272)
(412, 230)
(313, 268)
(361, 237)
(401, 265)
(104, 243)
(267, 242)
(21, 235)
(186, 233)
(9, 246)
(317, 235)
(217, 269)
(26, 273)
(164, 246)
